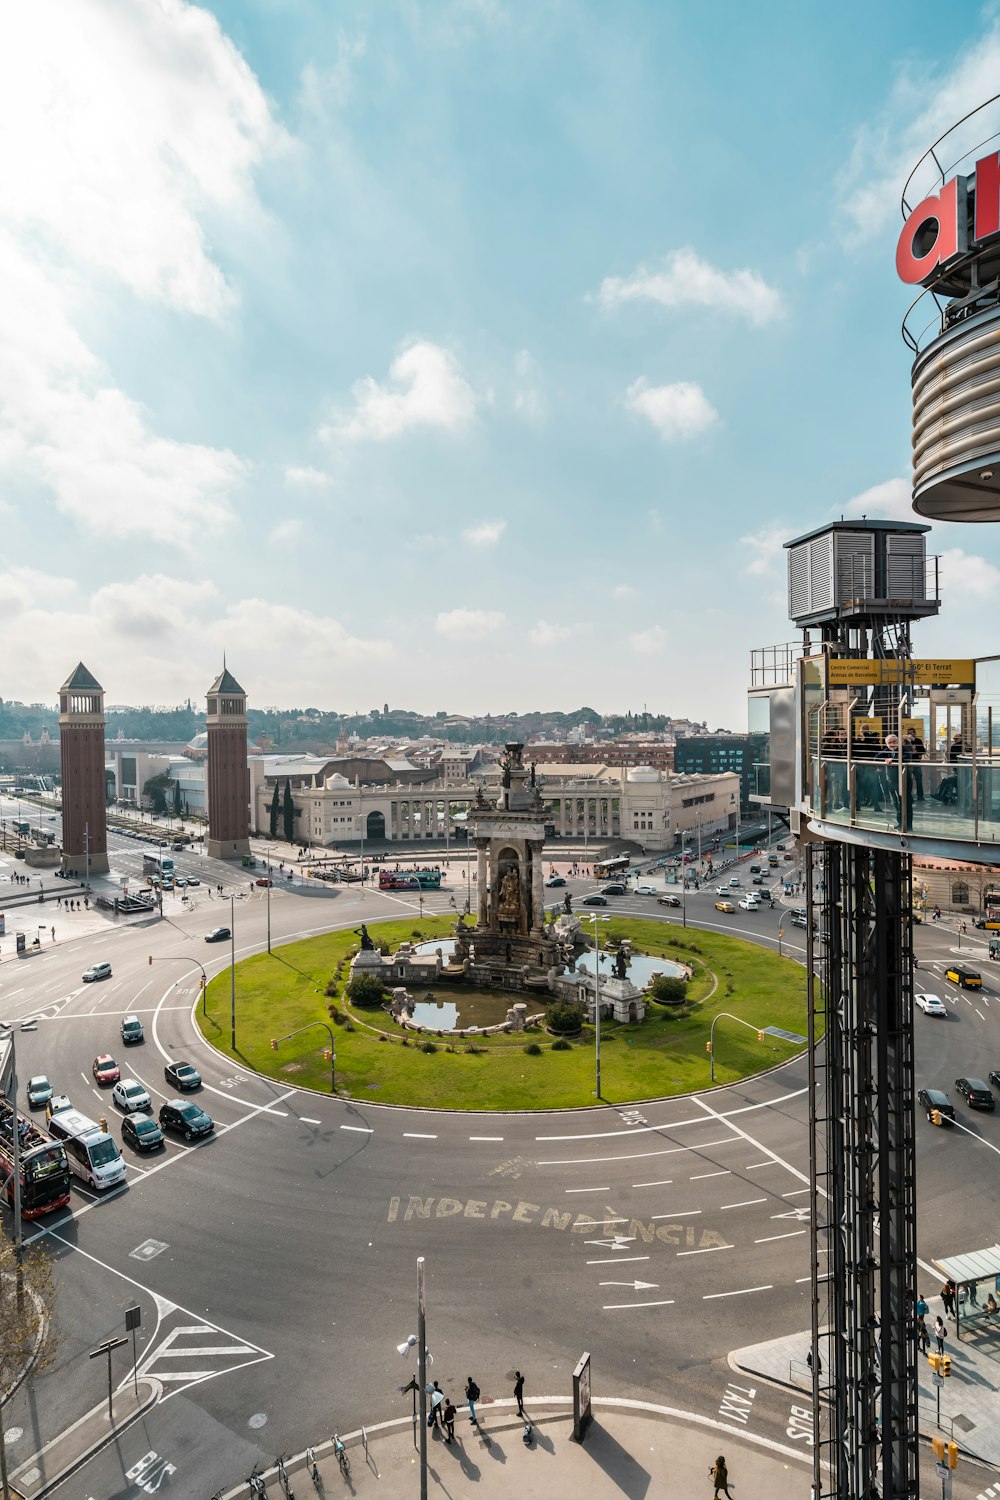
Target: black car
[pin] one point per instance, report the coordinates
(142, 1132)
(39, 1091)
(935, 1099)
(217, 935)
(612, 890)
(975, 1093)
(131, 1029)
(595, 901)
(186, 1118)
(182, 1076)
(555, 880)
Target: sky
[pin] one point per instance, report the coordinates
(475, 355)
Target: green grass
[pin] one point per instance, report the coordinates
(277, 993)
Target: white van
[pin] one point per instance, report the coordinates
(92, 1155)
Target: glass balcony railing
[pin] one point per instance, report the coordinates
(928, 799)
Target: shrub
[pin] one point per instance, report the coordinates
(366, 990)
(336, 1014)
(669, 989)
(385, 950)
(563, 1017)
(561, 1045)
(428, 1046)
(533, 1049)
(331, 987)
(475, 1051)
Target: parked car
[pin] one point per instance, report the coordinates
(39, 1091)
(975, 1093)
(182, 1075)
(129, 1095)
(142, 1132)
(595, 901)
(724, 906)
(96, 971)
(555, 880)
(132, 1030)
(668, 900)
(56, 1103)
(966, 979)
(105, 1069)
(935, 1099)
(217, 935)
(186, 1118)
(931, 1005)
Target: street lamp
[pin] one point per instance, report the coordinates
(333, 1046)
(232, 963)
(684, 884)
(593, 917)
(420, 1340)
(182, 958)
(269, 849)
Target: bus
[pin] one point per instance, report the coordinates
(44, 1170)
(607, 868)
(409, 880)
(155, 862)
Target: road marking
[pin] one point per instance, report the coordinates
(744, 1203)
(416, 1135)
(687, 1214)
(617, 1260)
(707, 1250)
(702, 1175)
(800, 1279)
(759, 1144)
(714, 1296)
(796, 1192)
(979, 1013)
(600, 1135)
(364, 1129)
(617, 1306)
(792, 1233)
(485, 1137)
(663, 1182)
(753, 1166)
(587, 1190)
(305, 1120)
(588, 1161)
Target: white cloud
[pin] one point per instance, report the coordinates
(486, 534)
(891, 501)
(676, 411)
(306, 476)
(685, 280)
(919, 109)
(766, 546)
(285, 533)
(623, 591)
(469, 624)
(544, 633)
(968, 575)
(431, 392)
(649, 642)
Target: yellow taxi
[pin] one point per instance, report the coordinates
(724, 906)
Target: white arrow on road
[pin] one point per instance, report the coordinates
(636, 1286)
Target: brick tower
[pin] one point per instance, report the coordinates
(228, 779)
(84, 793)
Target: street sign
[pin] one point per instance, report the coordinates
(937, 1379)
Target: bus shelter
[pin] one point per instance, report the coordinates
(976, 1275)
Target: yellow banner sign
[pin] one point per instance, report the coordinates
(846, 672)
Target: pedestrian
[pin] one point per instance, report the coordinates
(472, 1396)
(448, 1418)
(973, 1299)
(720, 1476)
(53, 931)
(437, 1396)
(921, 1308)
(923, 1336)
(519, 1392)
(940, 1334)
(948, 1297)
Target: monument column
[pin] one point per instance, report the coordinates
(482, 880)
(537, 892)
(227, 782)
(81, 757)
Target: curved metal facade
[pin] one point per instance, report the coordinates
(956, 422)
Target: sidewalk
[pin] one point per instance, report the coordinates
(968, 1397)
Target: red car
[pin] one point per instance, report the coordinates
(263, 880)
(105, 1069)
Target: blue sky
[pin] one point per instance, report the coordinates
(470, 355)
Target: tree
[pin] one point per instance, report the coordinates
(669, 989)
(275, 808)
(155, 791)
(366, 989)
(288, 812)
(564, 1017)
(28, 1340)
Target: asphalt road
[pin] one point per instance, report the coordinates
(275, 1264)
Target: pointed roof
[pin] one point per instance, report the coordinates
(81, 681)
(226, 682)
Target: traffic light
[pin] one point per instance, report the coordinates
(935, 1117)
(327, 1055)
(945, 1452)
(946, 1364)
(934, 1360)
(274, 1044)
(202, 982)
(708, 1047)
(150, 960)
(952, 1452)
(760, 1036)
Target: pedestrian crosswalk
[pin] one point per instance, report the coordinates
(991, 1492)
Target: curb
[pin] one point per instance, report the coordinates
(50, 1483)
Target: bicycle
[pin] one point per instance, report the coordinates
(342, 1458)
(312, 1466)
(256, 1484)
(283, 1478)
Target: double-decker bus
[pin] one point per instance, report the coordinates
(409, 880)
(609, 867)
(44, 1170)
(155, 862)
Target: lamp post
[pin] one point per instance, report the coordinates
(593, 917)
(182, 958)
(333, 1046)
(781, 933)
(684, 884)
(268, 851)
(419, 1385)
(232, 965)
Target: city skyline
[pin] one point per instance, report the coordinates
(483, 351)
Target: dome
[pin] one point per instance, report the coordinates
(336, 781)
(643, 773)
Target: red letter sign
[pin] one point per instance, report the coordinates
(987, 196)
(941, 210)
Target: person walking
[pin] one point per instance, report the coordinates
(923, 1336)
(948, 1298)
(472, 1394)
(720, 1476)
(940, 1334)
(448, 1418)
(519, 1393)
(436, 1394)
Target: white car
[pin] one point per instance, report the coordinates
(645, 890)
(734, 881)
(722, 890)
(129, 1095)
(931, 1005)
(749, 904)
(95, 972)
